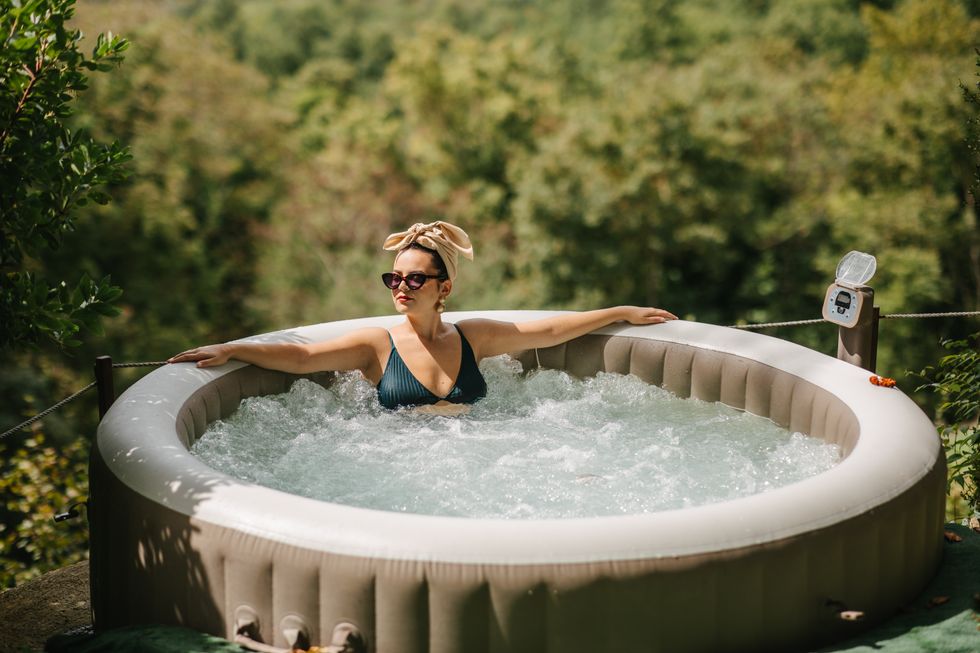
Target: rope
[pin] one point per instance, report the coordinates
(49, 410)
(73, 397)
(921, 315)
(767, 325)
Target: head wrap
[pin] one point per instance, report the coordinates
(447, 239)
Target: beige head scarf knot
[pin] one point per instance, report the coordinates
(447, 239)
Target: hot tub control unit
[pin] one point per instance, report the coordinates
(848, 297)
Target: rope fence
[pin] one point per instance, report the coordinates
(763, 325)
(73, 397)
(892, 316)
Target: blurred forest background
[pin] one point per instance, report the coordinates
(713, 157)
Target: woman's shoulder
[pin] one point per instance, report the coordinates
(371, 335)
(481, 331)
(474, 327)
(375, 337)
(478, 325)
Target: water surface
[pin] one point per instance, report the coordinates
(541, 445)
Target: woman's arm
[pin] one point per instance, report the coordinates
(352, 351)
(492, 338)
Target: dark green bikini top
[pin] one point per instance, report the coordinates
(399, 387)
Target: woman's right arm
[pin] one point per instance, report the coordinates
(352, 351)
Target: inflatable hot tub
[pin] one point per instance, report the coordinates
(175, 542)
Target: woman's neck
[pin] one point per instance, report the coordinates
(427, 327)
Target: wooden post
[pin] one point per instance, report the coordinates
(875, 316)
(858, 344)
(103, 381)
(96, 518)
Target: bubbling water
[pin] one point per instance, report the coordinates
(544, 445)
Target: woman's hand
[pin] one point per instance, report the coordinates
(207, 356)
(646, 315)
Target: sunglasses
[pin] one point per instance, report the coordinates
(414, 281)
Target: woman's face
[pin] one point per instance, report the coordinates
(425, 298)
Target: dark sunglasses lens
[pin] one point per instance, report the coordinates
(391, 280)
(415, 281)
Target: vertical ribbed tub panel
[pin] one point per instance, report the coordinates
(248, 583)
(296, 591)
(518, 620)
(647, 361)
(678, 592)
(459, 612)
(781, 399)
(783, 576)
(212, 404)
(862, 568)
(231, 392)
(198, 414)
(576, 621)
(734, 377)
(631, 606)
(677, 370)
(348, 593)
(801, 407)
(617, 355)
(184, 424)
(402, 617)
(819, 415)
(585, 356)
(929, 532)
(740, 596)
(758, 390)
(249, 381)
(211, 575)
(706, 370)
(552, 358)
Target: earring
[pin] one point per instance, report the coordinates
(441, 305)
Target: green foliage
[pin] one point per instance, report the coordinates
(956, 379)
(182, 230)
(47, 171)
(971, 94)
(38, 481)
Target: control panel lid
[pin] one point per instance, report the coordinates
(856, 269)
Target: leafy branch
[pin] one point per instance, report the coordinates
(47, 170)
(956, 379)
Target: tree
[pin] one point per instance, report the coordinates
(47, 170)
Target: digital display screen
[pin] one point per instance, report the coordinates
(843, 300)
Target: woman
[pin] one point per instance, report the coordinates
(422, 361)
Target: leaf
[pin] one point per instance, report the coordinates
(104, 309)
(25, 43)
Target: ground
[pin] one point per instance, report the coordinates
(55, 603)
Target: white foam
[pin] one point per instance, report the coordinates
(539, 446)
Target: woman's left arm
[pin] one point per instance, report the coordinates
(492, 338)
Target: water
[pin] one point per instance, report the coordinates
(544, 445)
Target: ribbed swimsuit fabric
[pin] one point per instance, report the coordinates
(399, 387)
